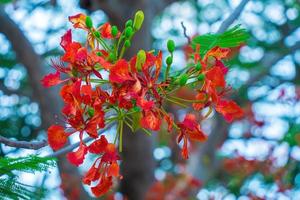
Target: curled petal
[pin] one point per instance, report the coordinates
(77, 157)
(92, 175)
(57, 137)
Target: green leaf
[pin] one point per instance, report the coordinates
(29, 164)
(231, 38)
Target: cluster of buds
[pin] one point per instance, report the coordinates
(134, 94)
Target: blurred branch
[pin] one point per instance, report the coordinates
(23, 144)
(73, 146)
(270, 59)
(233, 16)
(185, 34)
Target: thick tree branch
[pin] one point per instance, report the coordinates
(23, 144)
(233, 16)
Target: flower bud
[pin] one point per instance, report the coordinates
(183, 79)
(198, 67)
(128, 23)
(138, 20)
(88, 22)
(99, 53)
(140, 59)
(97, 34)
(171, 46)
(91, 111)
(112, 56)
(169, 60)
(127, 43)
(114, 31)
(128, 32)
(201, 77)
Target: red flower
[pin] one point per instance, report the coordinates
(230, 110)
(189, 129)
(57, 137)
(77, 157)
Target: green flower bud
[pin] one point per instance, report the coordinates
(97, 34)
(128, 32)
(91, 111)
(169, 60)
(140, 59)
(114, 31)
(138, 20)
(198, 67)
(171, 46)
(112, 56)
(128, 23)
(88, 22)
(183, 79)
(201, 77)
(99, 53)
(127, 43)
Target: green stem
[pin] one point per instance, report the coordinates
(177, 103)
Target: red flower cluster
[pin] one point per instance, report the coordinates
(134, 94)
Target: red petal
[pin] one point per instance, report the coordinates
(78, 20)
(86, 92)
(230, 110)
(113, 169)
(51, 79)
(57, 137)
(77, 157)
(66, 39)
(92, 175)
(103, 186)
(150, 120)
(120, 72)
(218, 53)
(98, 146)
(216, 76)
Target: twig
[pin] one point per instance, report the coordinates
(233, 16)
(185, 34)
(23, 144)
(73, 146)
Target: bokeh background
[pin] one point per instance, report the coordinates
(264, 75)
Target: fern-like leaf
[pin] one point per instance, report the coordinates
(29, 164)
(231, 38)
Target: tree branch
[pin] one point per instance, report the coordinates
(23, 144)
(73, 146)
(233, 16)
